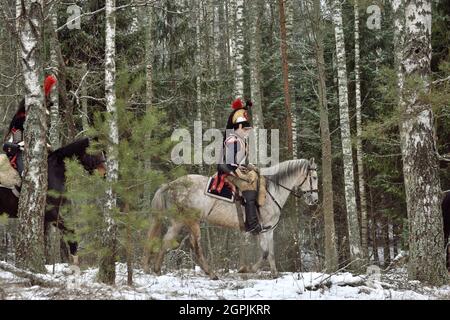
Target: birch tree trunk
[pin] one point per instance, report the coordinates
(289, 6)
(350, 198)
(107, 272)
(198, 59)
(239, 47)
(359, 149)
(149, 55)
(285, 68)
(331, 255)
(420, 163)
(54, 129)
(256, 11)
(30, 252)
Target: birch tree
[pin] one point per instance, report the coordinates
(256, 11)
(285, 68)
(420, 163)
(108, 256)
(54, 130)
(239, 49)
(30, 251)
(359, 149)
(350, 198)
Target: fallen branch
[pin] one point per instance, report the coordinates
(35, 279)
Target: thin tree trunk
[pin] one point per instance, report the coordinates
(239, 49)
(107, 272)
(285, 68)
(386, 242)
(30, 247)
(198, 60)
(256, 11)
(350, 198)
(420, 163)
(84, 104)
(289, 6)
(359, 149)
(331, 255)
(374, 225)
(66, 104)
(149, 55)
(54, 130)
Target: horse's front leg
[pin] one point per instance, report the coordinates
(269, 252)
(264, 245)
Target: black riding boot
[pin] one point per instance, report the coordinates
(251, 218)
(19, 162)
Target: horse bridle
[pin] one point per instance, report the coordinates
(311, 190)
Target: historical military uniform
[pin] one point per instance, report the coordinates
(235, 168)
(14, 145)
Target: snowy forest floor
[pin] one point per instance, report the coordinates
(193, 284)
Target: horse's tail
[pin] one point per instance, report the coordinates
(154, 234)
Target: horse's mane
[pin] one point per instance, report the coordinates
(284, 170)
(76, 148)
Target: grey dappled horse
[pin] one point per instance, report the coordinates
(186, 195)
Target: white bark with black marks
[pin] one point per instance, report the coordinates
(107, 264)
(359, 148)
(30, 247)
(420, 163)
(350, 198)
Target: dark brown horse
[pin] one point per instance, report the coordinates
(56, 182)
(446, 216)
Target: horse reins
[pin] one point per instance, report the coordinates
(294, 193)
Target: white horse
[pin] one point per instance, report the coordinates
(186, 204)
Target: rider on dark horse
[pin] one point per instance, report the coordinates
(14, 145)
(234, 168)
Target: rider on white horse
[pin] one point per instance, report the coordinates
(234, 168)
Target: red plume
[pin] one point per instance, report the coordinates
(49, 82)
(237, 104)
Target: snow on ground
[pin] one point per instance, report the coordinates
(193, 284)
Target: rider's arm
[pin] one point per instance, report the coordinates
(231, 149)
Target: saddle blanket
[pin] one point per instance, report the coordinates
(9, 177)
(224, 192)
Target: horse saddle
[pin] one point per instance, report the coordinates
(218, 187)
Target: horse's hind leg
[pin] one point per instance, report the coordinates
(195, 236)
(153, 235)
(73, 245)
(170, 235)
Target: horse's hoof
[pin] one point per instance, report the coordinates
(214, 277)
(274, 275)
(244, 269)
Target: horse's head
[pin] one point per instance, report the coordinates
(90, 161)
(94, 162)
(309, 185)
